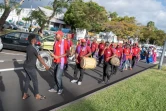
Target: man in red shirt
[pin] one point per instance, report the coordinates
(119, 51)
(94, 47)
(101, 48)
(87, 41)
(108, 54)
(136, 52)
(70, 44)
(61, 50)
(82, 51)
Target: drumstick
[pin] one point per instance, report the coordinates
(50, 52)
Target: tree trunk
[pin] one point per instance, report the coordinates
(3, 18)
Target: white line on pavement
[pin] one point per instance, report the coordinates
(12, 54)
(11, 69)
(10, 60)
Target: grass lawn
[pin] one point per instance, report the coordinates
(143, 92)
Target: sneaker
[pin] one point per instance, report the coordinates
(52, 90)
(60, 91)
(102, 82)
(79, 83)
(73, 81)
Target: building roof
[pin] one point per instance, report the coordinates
(48, 13)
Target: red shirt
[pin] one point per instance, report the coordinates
(82, 51)
(88, 42)
(94, 47)
(57, 51)
(136, 51)
(119, 52)
(126, 52)
(101, 48)
(107, 53)
(70, 43)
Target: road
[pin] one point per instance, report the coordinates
(12, 77)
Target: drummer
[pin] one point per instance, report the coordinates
(81, 51)
(101, 48)
(70, 44)
(108, 54)
(113, 67)
(94, 47)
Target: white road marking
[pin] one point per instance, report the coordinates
(11, 69)
(1, 61)
(12, 54)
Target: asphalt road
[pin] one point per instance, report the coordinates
(12, 78)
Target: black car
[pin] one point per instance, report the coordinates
(18, 41)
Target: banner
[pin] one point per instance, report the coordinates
(80, 33)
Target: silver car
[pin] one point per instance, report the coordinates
(1, 45)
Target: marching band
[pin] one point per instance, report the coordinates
(114, 56)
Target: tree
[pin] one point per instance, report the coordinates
(48, 7)
(86, 15)
(42, 19)
(113, 15)
(8, 6)
(123, 27)
(151, 25)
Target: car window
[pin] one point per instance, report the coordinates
(14, 35)
(24, 36)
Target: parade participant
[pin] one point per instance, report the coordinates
(119, 51)
(113, 67)
(61, 50)
(87, 41)
(78, 42)
(130, 57)
(154, 55)
(30, 68)
(70, 44)
(149, 57)
(94, 47)
(108, 54)
(81, 51)
(126, 54)
(101, 48)
(135, 56)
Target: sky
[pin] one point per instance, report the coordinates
(143, 10)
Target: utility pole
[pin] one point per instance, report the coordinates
(162, 57)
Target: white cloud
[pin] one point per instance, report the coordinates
(143, 10)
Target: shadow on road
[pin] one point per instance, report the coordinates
(2, 89)
(21, 77)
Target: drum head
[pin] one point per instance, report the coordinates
(47, 59)
(115, 61)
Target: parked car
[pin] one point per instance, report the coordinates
(7, 25)
(48, 43)
(18, 41)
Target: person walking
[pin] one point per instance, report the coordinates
(61, 50)
(81, 51)
(30, 68)
(108, 54)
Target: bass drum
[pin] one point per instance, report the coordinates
(88, 63)
(47, 59)
(115, 61)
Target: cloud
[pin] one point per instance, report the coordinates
(143, 10)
